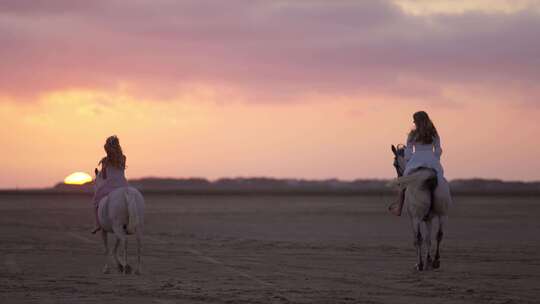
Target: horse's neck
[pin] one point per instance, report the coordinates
(98, 182)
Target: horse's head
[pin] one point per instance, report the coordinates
(98, 180)
(399, 159)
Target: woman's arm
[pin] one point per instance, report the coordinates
(437, 146)
(409, 147)
(103, 163)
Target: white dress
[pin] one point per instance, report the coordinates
(424, 155)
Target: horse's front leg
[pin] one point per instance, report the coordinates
(427, 239)
(417, 236)
(106, 245)
(437, 263)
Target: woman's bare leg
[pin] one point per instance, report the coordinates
(97, 226)
(397, 207)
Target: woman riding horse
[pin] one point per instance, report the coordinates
(112, 172)
(423, 150)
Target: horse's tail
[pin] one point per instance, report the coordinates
(418, 177)
(132, 210)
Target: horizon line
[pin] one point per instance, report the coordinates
(278, 178)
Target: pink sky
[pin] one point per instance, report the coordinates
(307, 89)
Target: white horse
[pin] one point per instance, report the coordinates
(425, 199)
(121, 213)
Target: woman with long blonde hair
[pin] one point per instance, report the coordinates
(423, 150)
(112, 172)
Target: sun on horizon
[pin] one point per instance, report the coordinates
(77, 178)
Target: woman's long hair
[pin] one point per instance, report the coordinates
(425, 131)
(115, 157)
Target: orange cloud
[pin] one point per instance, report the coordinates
(322, 137)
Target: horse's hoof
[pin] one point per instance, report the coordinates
(429, 264)
(436, 264)
(419, 267)
(127, 269)
(106, 269)
(120, 268)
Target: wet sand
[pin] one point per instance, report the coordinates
(270, 249)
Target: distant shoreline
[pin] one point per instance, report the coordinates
(287, 187)
(261, 193)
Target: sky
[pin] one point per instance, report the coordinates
(289, 89)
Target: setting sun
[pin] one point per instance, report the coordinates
(78, 178)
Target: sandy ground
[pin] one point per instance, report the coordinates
(250, 249)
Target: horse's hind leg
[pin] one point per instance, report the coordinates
(127, 268)
(139, 245)
(427, 239)
(122, 238)
(106, 244)
(417, 235)
(119, 265)
(436, 263)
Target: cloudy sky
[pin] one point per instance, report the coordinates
(292, 88)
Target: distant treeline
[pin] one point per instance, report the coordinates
(300, 186)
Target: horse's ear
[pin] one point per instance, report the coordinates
(394, 150)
